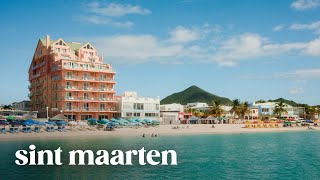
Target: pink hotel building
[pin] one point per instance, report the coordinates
(70, 78)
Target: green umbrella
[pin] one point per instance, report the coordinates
(102, 122)
(10, 118)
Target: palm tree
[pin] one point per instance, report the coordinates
(280, 108)
(216, 108)
(244, 109)
(236, 107)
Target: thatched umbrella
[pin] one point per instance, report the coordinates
(59, 117)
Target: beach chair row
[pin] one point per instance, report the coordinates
(14, 130)
(262, 126)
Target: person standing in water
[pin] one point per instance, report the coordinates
(143, 135)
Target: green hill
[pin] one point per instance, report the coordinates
(290, 102)
(194, 94)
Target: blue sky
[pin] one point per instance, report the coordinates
(248, 49)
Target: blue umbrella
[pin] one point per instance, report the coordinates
(62, 123)
(27, 124)
(51, 123)
(39, 123)
(30, 121)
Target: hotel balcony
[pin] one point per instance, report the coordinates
(94, 109)
(83, 99)
(89, 89)
(35, 67)
(90, 79)
(35, 76)
(78, 68)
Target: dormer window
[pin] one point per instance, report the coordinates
(61, 43)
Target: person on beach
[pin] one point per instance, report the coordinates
(155, 135)
(152, 135)
(213, 126)
(143, 135)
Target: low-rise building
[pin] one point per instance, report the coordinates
(171, 113)
(23, 105)
(130, 105)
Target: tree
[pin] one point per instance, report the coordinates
(7, 107)
(236, 107)
(244, 109)
(280, 108)
(216, 108)
(261, 101)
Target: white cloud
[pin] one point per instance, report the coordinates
(296, 90)
(305, 4)
(116, 10)
(314, 26)
(300, 75)
(190, 46)
(313, 48)
(278, 27)
(183, 34)
(135, 49)
(252, 46)
(107, 14)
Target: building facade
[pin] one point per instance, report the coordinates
(23, 105)
(130, 105)
(171, 113)
(70, 78)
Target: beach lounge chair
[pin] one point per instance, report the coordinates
(16, 129)
(12, 130)
(37, 129)
(24, 130)
(48, 129)
(3, 130)
(61, 128)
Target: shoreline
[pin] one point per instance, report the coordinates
(194, 129)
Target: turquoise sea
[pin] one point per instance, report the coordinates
(290, 155)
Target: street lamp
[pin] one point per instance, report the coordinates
(47, 108)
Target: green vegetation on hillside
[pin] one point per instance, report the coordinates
(194, 94)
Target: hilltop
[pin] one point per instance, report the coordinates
(194, 94)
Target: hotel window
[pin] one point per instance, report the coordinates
(85, 96)
(102, 107)
(102, 87)
(265, 109)
(69, 75)
(64, 51)
(86, 86)
(68, 85)
(86, 106)
(138, 106)
(68, 106)
(128, 114)
(102, 97)
(86, 76)
(136, 114)
(68, 95)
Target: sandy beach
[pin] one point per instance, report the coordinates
(161, 130)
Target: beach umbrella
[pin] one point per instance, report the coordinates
(59, 117)
(92, 121)
(102, 122)
(82, 123)
(27, 123)
(11, 118)
(51, 123)
(30, 121)
(61, 123)
(38, 123)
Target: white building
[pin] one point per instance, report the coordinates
(131, 105)
(23, 105)
(171, 113)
